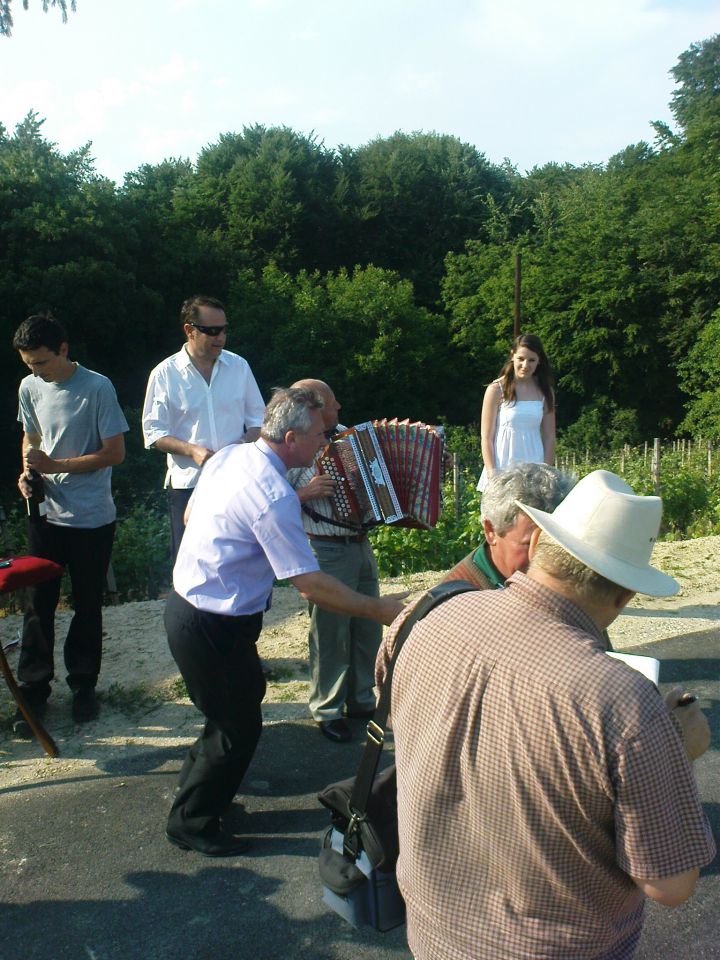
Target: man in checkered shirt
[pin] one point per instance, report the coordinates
(544, 788)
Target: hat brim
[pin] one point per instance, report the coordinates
(645, 579)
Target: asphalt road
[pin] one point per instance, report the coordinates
(87, 874)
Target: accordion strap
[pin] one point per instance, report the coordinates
(319, 518)
(376, 727)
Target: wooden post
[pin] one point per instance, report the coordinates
(518, 281)
(709, 460)
(656, 466)
(645, 454)
(456, 482)
(111, 584)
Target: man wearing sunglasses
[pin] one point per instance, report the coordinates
(198, 401)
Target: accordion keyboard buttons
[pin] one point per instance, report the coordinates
(340, 497)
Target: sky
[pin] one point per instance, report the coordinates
(534, 81)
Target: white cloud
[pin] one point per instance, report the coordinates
(266, 4)
(555, 30)
(25, 95)
(157, 144)
(322, 118)
(273, 99)
(174, 70)
(93, 109)
(409, 82)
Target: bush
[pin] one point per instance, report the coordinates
(691, 500)
(400, 550)
(140, 557)
(141, 554)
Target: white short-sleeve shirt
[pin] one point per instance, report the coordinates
(244, 531)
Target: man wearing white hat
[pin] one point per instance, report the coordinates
(557, 792)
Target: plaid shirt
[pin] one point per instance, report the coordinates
(536, 775)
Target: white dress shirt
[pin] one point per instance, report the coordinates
(243, 532)
(180, 403)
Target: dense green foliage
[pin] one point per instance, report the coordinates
(691, 508)
(386, 269)
(691, 503)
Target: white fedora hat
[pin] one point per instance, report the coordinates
(605, 526)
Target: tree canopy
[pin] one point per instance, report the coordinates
(6, 19)
(388, 269)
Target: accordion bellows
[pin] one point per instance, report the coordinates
(387, 471)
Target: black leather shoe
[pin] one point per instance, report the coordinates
(336, 730)
(85, 705)
(359, 714)
(215, 845)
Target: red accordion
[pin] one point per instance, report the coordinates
(386, 471)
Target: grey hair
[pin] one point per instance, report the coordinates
(535, 484)
(550, 557)
(289, 409)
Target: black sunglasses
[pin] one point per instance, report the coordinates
(209, 331)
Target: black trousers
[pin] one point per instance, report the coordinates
(217, 657)
(177, 501)
(85, 553)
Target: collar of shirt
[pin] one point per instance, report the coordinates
(185, 361)
(485, 565)
(556, 606)
(274, 459)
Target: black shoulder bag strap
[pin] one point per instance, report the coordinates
(376, 727)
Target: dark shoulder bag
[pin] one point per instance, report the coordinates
(360, 850)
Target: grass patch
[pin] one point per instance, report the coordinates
(295, 691)
(129, 700)
(175, 689)
(278, 674)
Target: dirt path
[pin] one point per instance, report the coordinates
(142, 705)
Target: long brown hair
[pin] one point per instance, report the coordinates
(543, 372)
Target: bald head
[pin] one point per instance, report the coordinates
(331, 407)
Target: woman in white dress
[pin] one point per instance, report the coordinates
(517, 424)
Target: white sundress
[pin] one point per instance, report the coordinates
(517, 436)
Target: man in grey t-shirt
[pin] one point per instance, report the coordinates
(72, 437)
